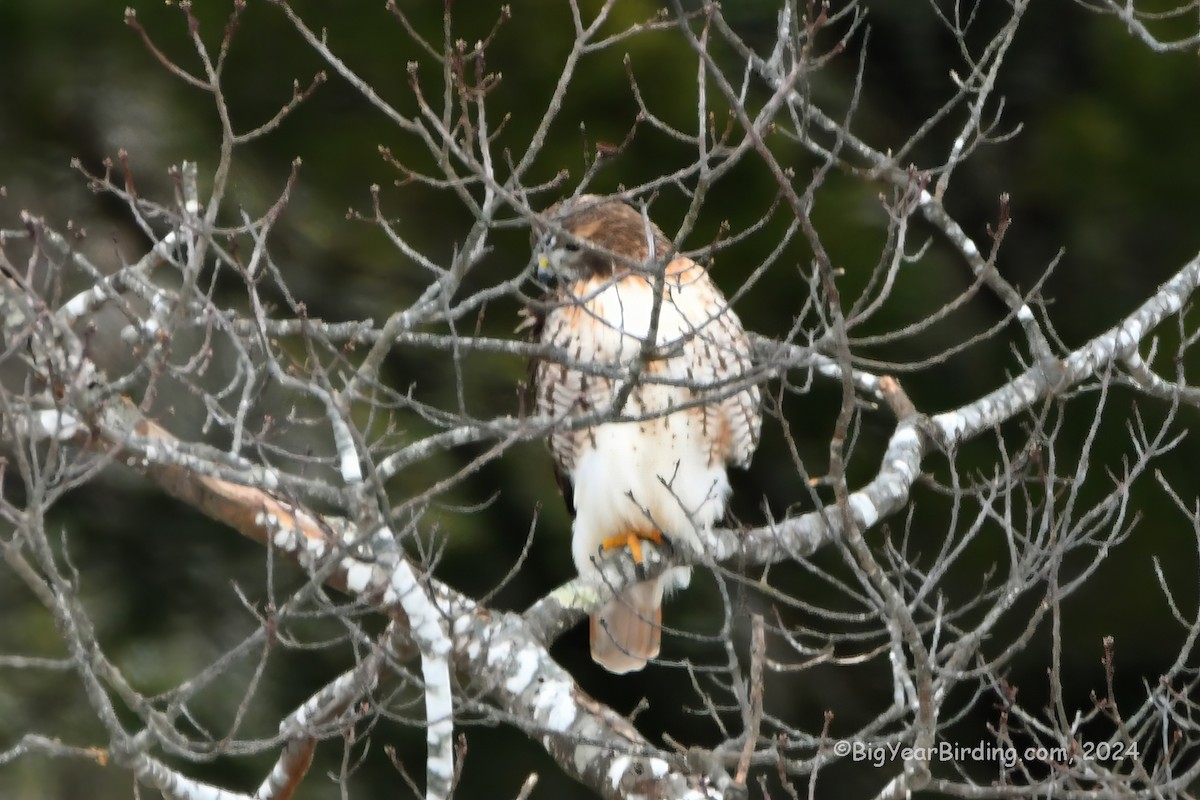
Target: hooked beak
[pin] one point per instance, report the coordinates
(545, 274)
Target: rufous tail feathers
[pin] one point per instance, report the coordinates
(627, 632)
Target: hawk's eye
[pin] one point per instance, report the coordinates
(552, 242)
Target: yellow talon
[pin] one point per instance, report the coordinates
(633, 540)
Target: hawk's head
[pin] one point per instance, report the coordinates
(592, 236)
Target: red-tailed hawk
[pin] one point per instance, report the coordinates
(662, 474)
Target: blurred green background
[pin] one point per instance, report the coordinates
(1105, 166)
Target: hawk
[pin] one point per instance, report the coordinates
(659, 473)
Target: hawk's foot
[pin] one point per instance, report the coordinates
(633, 538)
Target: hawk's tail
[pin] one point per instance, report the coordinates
(627, 632)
